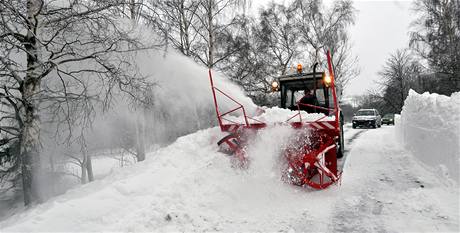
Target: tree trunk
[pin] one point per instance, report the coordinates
(89, 168)
(140, 145)
(185, 24)
(83, 169)
(30, 135)
(181, 27)
(30, 156)
(210, 34)
(133, 11)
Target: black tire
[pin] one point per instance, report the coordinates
(353, 126)
(231, 135)
(341, 149)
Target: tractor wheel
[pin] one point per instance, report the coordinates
(316, 169)
(231, 144)
(341, 146)
(231, 141)
(319, 174)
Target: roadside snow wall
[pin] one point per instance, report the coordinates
(430, 128)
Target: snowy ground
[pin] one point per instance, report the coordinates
(385, 189)
(190, 186)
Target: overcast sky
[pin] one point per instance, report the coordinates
(381, 28)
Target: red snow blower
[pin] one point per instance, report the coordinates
(311, 156)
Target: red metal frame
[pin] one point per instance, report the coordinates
(220, 117)
(315, 162)
(334, 94)
(309, 105)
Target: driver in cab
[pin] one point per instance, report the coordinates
(307, 100)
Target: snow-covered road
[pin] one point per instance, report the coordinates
(385, 189)
(190, 186)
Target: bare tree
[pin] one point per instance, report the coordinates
(135, 9)
(202, 29)
(398, 75)
(324, 29)
(268, 47)
(177, 20)
(436, 39)
(85, 164)
(251, 66)
(345, 64)
(59, 58)
(211, 27)
(280, 36)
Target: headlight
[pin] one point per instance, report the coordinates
(275, 86)
(327, 79)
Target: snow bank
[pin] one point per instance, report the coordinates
(187, 186)
(430, 128)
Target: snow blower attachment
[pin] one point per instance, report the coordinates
(311, 156)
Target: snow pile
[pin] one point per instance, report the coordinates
(276, 114)
(187, 186)
(430, 128)
(190, 186)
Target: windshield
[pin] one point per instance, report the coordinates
(388, 115)
(293, 96)
(365, 113)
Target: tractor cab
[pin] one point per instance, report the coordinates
(292, 90)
